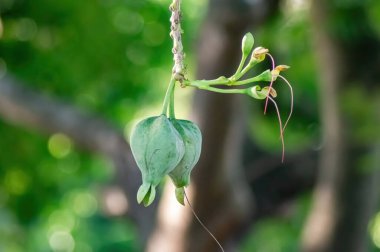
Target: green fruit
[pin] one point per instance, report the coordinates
(157, 148)
(192, 138)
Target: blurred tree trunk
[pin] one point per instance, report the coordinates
(219, 190)
(348, 54)
(222, 197)
(26, 108)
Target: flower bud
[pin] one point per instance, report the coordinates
(247, 44)
(258, 54)
(281, 68)
(276, 71)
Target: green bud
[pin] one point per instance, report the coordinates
(157, 148)
(247, 44)
(192, 138)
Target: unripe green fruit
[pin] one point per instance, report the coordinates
(157, 148)
(192, 138)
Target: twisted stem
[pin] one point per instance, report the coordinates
(176, 35)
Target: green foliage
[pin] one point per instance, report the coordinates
(279, 233)
(99, 55)
(282, 236)
(47, 198)
(108, 57)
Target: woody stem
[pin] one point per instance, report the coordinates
(178, 71)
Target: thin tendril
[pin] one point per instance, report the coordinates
(291, 101)
(281, 129)
(200, 222)
(271, 83)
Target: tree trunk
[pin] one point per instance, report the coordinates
(345, 194)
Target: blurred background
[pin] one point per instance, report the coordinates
(75, 76)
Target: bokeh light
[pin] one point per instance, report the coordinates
(16, 181)
(128, 22)
(114, 201)
(59, 145)
(84, 204)
(61, 220)
(61, 241)
(374, 229)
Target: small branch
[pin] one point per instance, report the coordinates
(261, 77)
(224, 91)
(175, 34)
